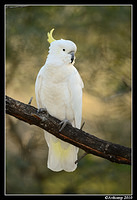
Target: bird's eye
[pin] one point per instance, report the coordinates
(63, 49)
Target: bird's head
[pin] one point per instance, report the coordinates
(61, 50)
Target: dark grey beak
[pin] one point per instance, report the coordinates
(72, 55)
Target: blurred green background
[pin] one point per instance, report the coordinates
(103, 38)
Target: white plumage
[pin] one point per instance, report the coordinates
(58, 88)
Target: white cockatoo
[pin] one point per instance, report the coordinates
(58, 89)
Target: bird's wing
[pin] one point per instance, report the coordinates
(37, 90)
(75, 88)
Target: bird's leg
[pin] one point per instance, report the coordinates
(63, 123)
(81, 157)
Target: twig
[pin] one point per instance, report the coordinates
(30, 100)
(82, 125)
(77, 161)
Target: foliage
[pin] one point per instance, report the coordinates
(103, 37)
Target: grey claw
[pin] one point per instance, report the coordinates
(63, 123)
(41, 110)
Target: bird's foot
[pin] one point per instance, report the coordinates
(43, 111)
(63, 123)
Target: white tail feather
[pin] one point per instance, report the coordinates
(61, 155)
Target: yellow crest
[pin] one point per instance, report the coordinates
(50, 37)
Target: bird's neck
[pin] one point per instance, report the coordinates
(58, 73)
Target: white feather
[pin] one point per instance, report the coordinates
(58, 88)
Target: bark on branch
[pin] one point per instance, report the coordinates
(89, 143)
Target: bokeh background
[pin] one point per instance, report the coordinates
(103, 38)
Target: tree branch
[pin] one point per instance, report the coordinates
(91, 144)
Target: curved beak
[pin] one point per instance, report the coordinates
(72, 53)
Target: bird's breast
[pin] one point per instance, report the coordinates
(55, 96)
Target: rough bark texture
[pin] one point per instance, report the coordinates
(91, 144)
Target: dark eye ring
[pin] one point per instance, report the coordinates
(63, 49)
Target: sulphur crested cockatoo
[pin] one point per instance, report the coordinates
(58, 89)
